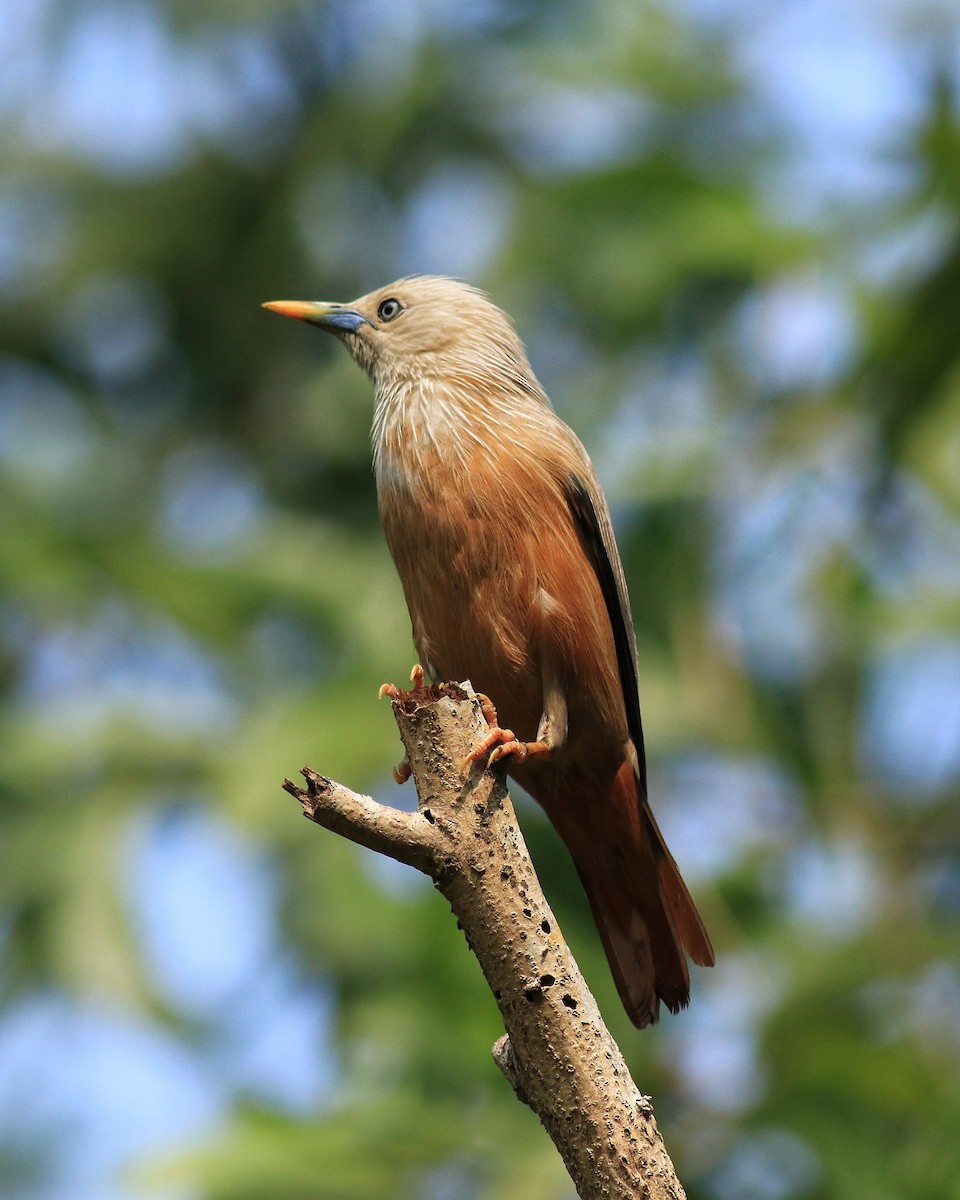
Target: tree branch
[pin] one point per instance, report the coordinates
(557, 1054)
(407, 837)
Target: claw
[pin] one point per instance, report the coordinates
(514, 749)
(403, 770)
(521, 751)
(487, 708)
(391, 689)
(505, 745)
(495, 736)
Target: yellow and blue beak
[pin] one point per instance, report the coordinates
(337, 318)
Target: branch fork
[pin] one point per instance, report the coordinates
(556, 1054)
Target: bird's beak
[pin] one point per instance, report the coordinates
(334, 317)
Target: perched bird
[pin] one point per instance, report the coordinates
(501, 534)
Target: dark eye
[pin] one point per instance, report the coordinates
(389, 309)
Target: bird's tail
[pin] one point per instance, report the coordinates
(645, 915)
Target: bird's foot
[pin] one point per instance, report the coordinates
(494, 740)
(402, 771)
(498, 743)
(521, 751)
(488, 709)
(391, 689)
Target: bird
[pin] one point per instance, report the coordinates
(503, 541)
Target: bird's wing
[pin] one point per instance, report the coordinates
(591, 519)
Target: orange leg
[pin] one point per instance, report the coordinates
(403, 770)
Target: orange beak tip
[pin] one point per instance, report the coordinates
(289, 308)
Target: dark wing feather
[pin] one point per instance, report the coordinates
(592, 522)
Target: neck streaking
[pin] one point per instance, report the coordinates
(454, 419)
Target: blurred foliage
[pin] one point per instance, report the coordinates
(196, 597)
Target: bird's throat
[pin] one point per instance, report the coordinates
(424, 425)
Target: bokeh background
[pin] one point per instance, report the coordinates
(728, 232)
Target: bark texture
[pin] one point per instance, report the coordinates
(557, 1054)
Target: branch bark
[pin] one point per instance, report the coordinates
(556, 1053)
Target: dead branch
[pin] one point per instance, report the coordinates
(556, 1054)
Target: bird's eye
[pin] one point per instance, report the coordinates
(389, 309)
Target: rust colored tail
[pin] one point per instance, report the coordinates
(645, 915)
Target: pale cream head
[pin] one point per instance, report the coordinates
(425, 327)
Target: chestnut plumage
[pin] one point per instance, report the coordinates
(502, 538)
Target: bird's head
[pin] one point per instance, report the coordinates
(422, 327)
